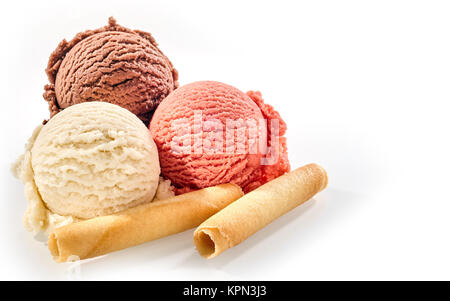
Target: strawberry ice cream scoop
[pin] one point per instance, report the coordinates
(209, 133)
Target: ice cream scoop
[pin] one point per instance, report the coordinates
(209, 133)
(111, 64)
(89, 160)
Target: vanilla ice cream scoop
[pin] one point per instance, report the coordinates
(89, 160)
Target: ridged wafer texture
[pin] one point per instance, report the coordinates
(147, 222)
(256, 209)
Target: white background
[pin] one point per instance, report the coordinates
(364, 87)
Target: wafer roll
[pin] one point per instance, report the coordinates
(105, 234)
(258, 208)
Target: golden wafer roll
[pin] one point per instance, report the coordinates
(258, 208)
(105, 234)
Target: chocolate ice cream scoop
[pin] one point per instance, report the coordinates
(111, 64)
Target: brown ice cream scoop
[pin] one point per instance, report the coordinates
(112, 64)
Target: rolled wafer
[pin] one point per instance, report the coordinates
(105, 234)
(258, 208)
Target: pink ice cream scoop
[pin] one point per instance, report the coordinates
(209, 133)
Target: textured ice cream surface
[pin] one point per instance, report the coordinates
(92, 159)
(201, 167)
(38, 218)
(165, 190)
(111, 64)
(281, 166)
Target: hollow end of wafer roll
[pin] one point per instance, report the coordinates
(208, 240)
(226, 228)
(205, 244)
